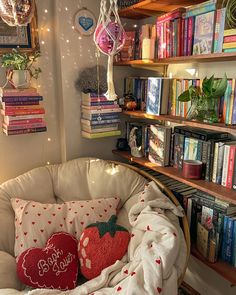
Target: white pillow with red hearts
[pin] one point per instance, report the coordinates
(52, 267)
(36, 222)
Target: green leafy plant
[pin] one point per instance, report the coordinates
(16, 60)
(204, 101)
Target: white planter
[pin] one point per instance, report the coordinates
(19, 78)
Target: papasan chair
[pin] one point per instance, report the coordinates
(159, 246)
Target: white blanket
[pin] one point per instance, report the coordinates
(156, 256)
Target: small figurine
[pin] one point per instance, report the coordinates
(135, 150)
(129, 102)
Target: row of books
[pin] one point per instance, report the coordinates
(216, 150)
(22, 111)
(100, 117)
(159, 96)
(226, 107)
(198, 29)
(126, 3)
(212, 221)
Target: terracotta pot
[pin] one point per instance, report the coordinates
(19, 78)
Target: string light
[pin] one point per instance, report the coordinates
(67, 41)
(46, 11)
(42, 42)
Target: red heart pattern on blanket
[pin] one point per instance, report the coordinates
(53, 267)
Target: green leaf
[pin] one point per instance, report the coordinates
(220, 87)
(207, 85)
(185, 96)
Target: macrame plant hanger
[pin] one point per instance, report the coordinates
(109, 38)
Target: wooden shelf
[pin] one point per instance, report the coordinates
(224, 269)
(148, 8)
(180, 120)
(213, 57)
(216, 190)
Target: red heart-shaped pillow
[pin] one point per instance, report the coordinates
(53, 267)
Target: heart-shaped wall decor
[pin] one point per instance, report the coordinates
(53, 267)
(85, 22)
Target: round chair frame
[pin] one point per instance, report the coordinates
(170, 195)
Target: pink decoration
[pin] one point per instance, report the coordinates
(53, 267)
(109, 39)
(17, 12)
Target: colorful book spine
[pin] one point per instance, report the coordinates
(24, 126)
(24, 131)
(201, 10)
(225, 165)
(10, 99)
(23, 121)
(22, 112)
(219, 30)
(229, 179)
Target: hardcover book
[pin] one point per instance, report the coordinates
(159, 144)
(204, 33)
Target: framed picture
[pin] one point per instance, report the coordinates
(85, 22)
(25, 38)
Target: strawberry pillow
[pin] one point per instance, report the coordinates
(101, 245)
(36, 222)
(52, 267)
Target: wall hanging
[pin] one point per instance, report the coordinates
(84, 22)
(17, 12)
(109, 38)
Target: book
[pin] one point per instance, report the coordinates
(20, 103)
(229, 32)
(104, 128)
(100, 134)
(11, 99)
(203, 34)
(226, 162)
(219, 30)
(158, 95)
(103, 116)
(100, 110)
(229, 45)
(18, 92)
(199, 10)
(200, 133)
(22, 112)
(100, 122)
(202, 239)
(23, 126)
(230, 39)
(24, 131)
(10, 119)
(159, 144)
(22, 121)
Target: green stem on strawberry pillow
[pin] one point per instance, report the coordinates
(108, 227)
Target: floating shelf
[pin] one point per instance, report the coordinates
(148, 8)
(216, 190)
(213, 57)
(180, 120)
(224, 269)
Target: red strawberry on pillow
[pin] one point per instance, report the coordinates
(101, 245)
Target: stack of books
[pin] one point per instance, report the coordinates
(100, 117)
(22, 112)
(229, 40)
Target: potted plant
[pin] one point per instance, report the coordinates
(20, 67)
(205, 101)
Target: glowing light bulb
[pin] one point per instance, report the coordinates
(48, 30)
(46, 11)
(80, 38)
(48, 163)
(67, 41)
(73, 27)
(66, 8)
(49, 139)
(42, 42)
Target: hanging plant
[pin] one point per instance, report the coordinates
(230, 6)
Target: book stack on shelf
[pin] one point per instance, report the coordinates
(22, 112)
(216, 150)
(100, 117)
(229, 40)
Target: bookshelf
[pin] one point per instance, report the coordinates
(180, 120)
(144, 9)
(216, 190)
(214, 57)
(148, 8)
